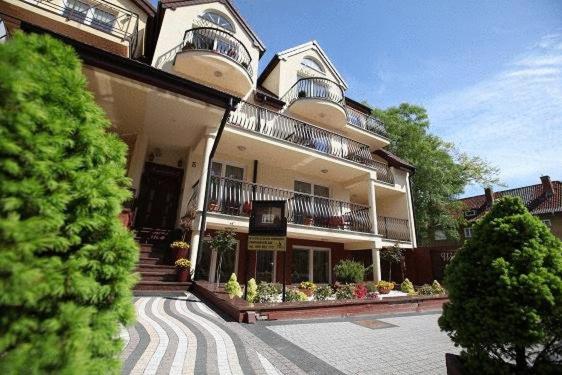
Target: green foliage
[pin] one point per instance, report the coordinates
(345, 291)
(391, 255)
(441, 171)
(407, 287)
(268, 292)
(323, 293)
(505, 291)
(224, 242)
(308, 285)
(437, 288)
(385, 285)
(232, 287)
(252, 293)
(183, 263)
(66, 269)
(294, 295)
(349, 271)
(371, 287)
(425, 290)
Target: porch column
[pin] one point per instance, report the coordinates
(138, 157)
(373, 202)
(410, 211)
(376, 265)
(210, 135)
(186, 185)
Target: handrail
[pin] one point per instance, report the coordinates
(275, 125)
(393, 228)
(218, 41)
(114, 20)
(315, 88)
(366, 122)
(234, 197)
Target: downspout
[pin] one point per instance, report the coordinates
(203, 222)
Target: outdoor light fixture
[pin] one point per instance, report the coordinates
(217, 74)
(241, 148)
(324, 171)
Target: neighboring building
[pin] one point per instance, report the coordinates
(543, 200)
(169, 77)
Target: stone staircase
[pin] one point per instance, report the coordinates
(157, 272)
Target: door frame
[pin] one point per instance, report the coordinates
(214, 259)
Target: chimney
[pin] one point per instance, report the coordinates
(489, 193)
(547, 188)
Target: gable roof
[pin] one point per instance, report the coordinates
(533, 196)
(173, 4)
(394, 160)
(313, 44)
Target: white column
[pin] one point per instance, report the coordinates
(376, 265)
(137, 161)
(410, 211)
(373, 202)
(186, 185)
(197, 231)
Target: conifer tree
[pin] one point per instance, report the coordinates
(65, 260)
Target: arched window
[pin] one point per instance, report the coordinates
(219, 20)
(311, 63)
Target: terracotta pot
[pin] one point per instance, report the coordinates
(384, 290)
(183, 275)
(179, 252)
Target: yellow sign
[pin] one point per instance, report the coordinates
(267, 243)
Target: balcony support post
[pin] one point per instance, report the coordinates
(373, 202)
(410, 208)
(376, 265)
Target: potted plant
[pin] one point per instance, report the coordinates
(247, 208)
(189, 45)
(179, 249)
(384, 287)
(308, 220)
(302, 94)
(184, 269)
(232, 287)
(307, 287)
(214, 205)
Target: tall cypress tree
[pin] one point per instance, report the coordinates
(65, 260)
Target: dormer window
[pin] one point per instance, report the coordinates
(313, 64)
(470, 214)
(219, 20)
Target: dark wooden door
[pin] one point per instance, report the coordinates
(159, 195)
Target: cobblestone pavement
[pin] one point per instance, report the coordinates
(182, 335)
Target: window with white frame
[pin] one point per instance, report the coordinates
(218, 19)
(103, 20)
(547, 222)
(468, 232)
(313, 64)
(76, 10)
(311, 264)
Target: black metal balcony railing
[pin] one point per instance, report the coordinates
(362, 121)
(233, 197)
(101, 15)
(315, 88)
(281, 127)
(393, 228)
(218, 41)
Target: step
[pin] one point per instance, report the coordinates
(158, 293)
(155, 267)
(162, 285)
(153, 261)
(158, 276)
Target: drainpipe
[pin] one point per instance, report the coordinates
(203, 223)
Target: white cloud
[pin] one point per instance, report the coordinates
(512, 119)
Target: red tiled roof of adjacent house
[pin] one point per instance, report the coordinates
(536, 198)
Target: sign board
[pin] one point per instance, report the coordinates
(267, 243)
(268, 218)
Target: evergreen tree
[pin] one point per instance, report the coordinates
(505, 292)
(65, 260)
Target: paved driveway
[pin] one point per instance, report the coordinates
(182, 335)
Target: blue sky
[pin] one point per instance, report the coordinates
(489, 72)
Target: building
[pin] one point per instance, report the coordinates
(175, 79)
(543, 200)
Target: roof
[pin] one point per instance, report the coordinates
(297, 49)
(394, 160)
(146, 6)
(173, 4)
(533, 196)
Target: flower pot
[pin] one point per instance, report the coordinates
(183, 275)
(302, 94)
(309, 221)
(214, 207)
(383, 290)
(181, 252)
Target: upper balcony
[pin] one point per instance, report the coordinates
(286, 129)
(217, 58)
(318, 100)
(366, 127)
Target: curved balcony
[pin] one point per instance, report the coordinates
(366, 122)
(319, 100)
(215, 58)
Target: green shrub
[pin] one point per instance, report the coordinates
(268, 292)
(425, 290)
(293, 295)
(66, 269)
(505, 293)
(309, 285)
(323, 292)
(437, 288)
(407, 287)
(232, 287)
(349, 271)
(345, 291)
(372, 287)
(252, 293)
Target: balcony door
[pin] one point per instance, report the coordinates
(226, 187)
(311, 207)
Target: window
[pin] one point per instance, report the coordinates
(103, 20)
(470, 213)
(310, 264)
(312, 64)
(440, 235)
(219, 20)
(265, 266)
(468, 232)
(311, 206)
(3, 31)
(208, 264)
(76, 10)
(547, 222)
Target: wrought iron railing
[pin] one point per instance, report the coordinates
(100, 15)
(393, 228)
(234, 197)
(366, 122)
(315, 88)
(218, 41)
(281, 127)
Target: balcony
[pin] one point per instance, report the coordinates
(318, 100)
(366, 122)
(283, 128)
(215, 58)
(102, 16)
(393, 228)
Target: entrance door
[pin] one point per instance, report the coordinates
(159, 195)
(208, 264)
(265, 266)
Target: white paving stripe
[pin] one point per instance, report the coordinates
(154, 362)
(153, 337)
(267, 366)
(226, 352)
(134, 340)
(206, 309)
(124, 335)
